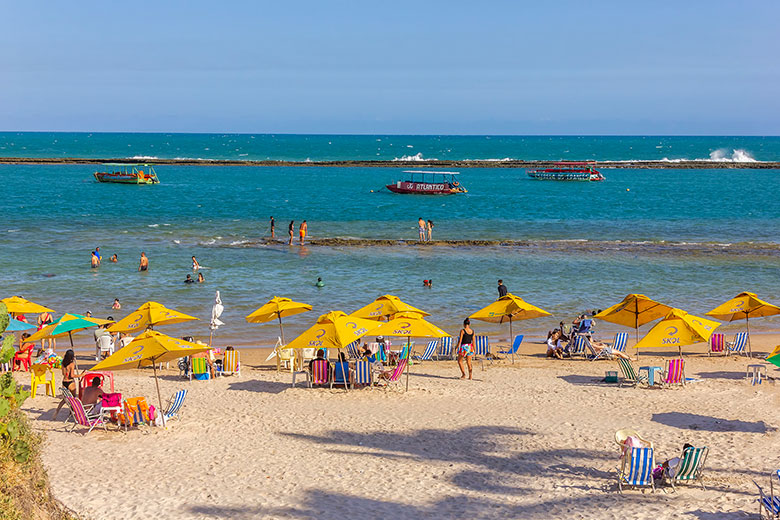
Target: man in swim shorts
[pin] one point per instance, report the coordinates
(143, 265)
(302, 231)
(421, 228)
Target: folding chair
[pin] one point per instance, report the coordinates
(717, 344)
(636, 469)
(690, 467)
(445, 348)
(738, 345)
(429, 351)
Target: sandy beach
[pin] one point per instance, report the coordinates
(533, 439)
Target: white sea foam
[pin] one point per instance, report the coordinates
(737, 155)
(177, 241)
(153, 225)
(416, 157)
(144, 157)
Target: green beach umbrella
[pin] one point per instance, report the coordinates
(66, 326)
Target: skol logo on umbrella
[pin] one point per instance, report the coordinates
(135, 355)
(738, 307)
(377, 311)
(356, 331)
(671, 332)
(700, 324)
(403, 329)
(136, 322)
(317, 342)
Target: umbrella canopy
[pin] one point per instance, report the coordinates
(148, 315)
(66, 326)
(744, 306)
(409, 324)
(18, 305)
(677, 329)
(277, 308)
(333, 330)
(15, 325)
(384, 307)
(509, 308)
(148, 349)
(774, 356)
(634, 311)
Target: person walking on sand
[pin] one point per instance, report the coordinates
(430, 229)
(302, 231)
(502, 290)
(143, 265)
(290, 230)
(273, 227)
(465, 347)
(421, 228)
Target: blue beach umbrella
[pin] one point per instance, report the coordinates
(15, 325)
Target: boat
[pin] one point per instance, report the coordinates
(567, 171)
(127, 174)
(428, 183)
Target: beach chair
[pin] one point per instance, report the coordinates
(173, 407)
(738, 345)
(353, 350)
(581, 344)
(104, 345)
(38, 377)
(445, 348)
(340, 374)
(717, 344)
(429, 351)
(320, 372)
(674, 373)
(24, 357)
(769, 504)
(482, 348)
(515, 346)
(690, 467)
(199, 369)
(393, 376)
(80, 415)
(630, 375)
(620, 342)
(231, 363)
(636, 469)
(361, 374)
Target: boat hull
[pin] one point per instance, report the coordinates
(424, 188)
(125, 178)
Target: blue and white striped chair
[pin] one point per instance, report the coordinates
(353, 350)
(738, 345)
(362, 374)
(445, 348)
(636, 469)
(769, 503)
(174, 405)
(581, 343)
(621, 340)
(482, 348)
(429, 351)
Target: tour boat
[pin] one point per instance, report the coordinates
(428, 183)
(567, 171)
(127, 174)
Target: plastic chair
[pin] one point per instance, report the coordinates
(24, 357)
(38, 377)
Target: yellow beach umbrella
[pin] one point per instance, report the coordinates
(333, 330)
(18, 305)
(634, 311)
(148, 349)
(385, 307)
(411, 325)
(66, 326)
(774, 356)
(509, 308)
(148, 315)
(744, 306)
(677, 329)
(277, 308)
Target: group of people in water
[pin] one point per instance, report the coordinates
(303, 229)
(425, 229)
(97, 258)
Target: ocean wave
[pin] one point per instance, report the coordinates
(412, 158)
(144, 157)
(737, 155)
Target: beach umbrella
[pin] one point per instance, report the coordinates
(678, 328)
(148, 349)
(66, 326)
(277, 308)
(15, 325)
(385, 307)
(409, 324)
(774, 356)
(333, 330)
(509, 308)
(216, 312)
(18, 305)
(149, 315)
(634, 311)
(744, 306)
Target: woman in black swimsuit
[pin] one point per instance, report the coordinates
(68, 376)
(465, 347)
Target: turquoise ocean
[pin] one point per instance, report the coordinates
(689, 238)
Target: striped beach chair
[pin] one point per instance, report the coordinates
(199, 369)
(80, 416)
(581, 344)
(353, 350)
(636, 469)
(175, 403)
(621, 340)
(738, 345)
(630, 375)
(445, 348)
(482, 350)
(362, 374)
(717, 344)
(231, 363)
(394, 376)
(690, 467)
(675, 372)
(769, 504)
(320, 372)
(429, 351)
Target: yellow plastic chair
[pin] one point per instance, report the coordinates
(38, 377)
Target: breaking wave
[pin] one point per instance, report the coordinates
(412, 158)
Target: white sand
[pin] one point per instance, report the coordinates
(532, 440)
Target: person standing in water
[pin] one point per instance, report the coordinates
(195, 264)
(302, 231)
(273, 227)
(421, 229)
(143, 265)
(430, 229)
(501, 289)
(465, 347)
(290, 230)
(97, 254)
(94, 262)
(320, 283)
(200, 278)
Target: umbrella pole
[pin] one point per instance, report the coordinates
(511, 340)
(408, 359)
(159, 398)
(636, 327)
(747, 324)
(281, 330)
(70, 336)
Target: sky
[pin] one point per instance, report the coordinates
(401, 67)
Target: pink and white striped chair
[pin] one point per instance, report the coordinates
(717, 344)
(675, 372)
(80, 416)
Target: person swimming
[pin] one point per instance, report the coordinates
(201, 279)
(319, 283)
(195, 264)
(189, 279)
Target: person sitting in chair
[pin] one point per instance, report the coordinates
(93, 394)
(320, 356)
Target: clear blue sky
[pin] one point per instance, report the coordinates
(418, 67)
